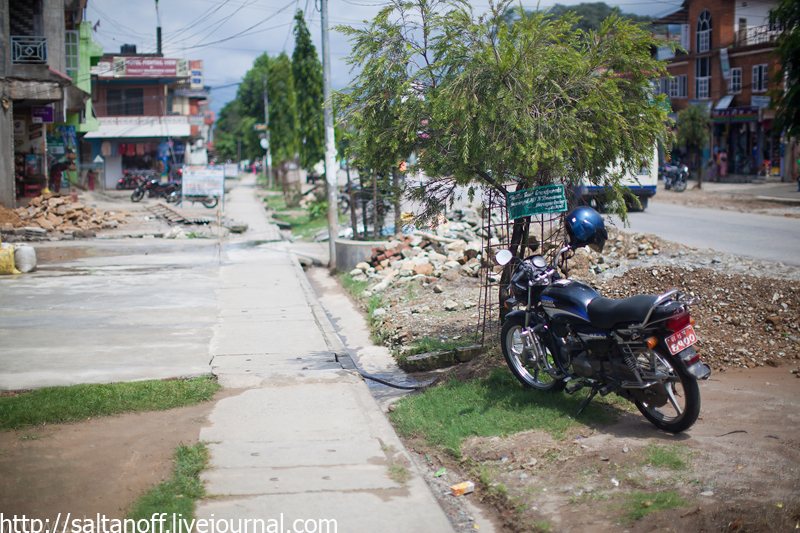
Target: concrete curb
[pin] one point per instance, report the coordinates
(332, 338)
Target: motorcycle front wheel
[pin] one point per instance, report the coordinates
(680, 186)
(529, 366)
(137, 195)
(682, 408)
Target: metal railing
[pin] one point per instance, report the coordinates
(27, 49)
(757, 35)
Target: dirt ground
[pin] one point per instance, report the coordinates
(97, 466)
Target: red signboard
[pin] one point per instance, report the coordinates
(735, 114)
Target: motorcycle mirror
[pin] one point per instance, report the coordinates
(503, 257)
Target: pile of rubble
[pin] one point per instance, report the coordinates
(57, 213)
(422, 255)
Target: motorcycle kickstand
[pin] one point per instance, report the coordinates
(588, 400)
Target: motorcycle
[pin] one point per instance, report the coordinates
(674, 176)
(131, 180)
(568, 337)
(155, 189)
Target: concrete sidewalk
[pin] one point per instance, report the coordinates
(305, 441)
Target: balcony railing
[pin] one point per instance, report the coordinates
(758, 35)
(26, 49)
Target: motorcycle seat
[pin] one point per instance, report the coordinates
(606, 312)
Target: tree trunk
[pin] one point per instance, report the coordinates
(699, 169)
(353, 219)
(375, 205)
(398, 228)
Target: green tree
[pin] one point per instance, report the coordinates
(787, 101)
(232, 128)
(693, 125)
(485, 103)
(307, 74)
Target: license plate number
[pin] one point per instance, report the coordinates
(681, 340)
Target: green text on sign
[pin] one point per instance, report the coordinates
(536, 201)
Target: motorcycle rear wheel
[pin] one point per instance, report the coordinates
(680, 186)
(532, 374)
(683, 406)
(137, 195)
(210, 201)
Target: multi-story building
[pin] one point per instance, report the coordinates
(150, 112)
(45, 54)
(729, 66)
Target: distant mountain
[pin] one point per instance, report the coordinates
(591, 14)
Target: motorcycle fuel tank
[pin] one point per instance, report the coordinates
(566, 301)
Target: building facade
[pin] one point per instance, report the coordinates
(45, 106)
(729, 66)
(151, 118)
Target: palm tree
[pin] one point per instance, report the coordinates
(693, 126)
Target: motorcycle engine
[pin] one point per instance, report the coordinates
(585, 365)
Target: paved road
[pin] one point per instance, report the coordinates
(764, 237)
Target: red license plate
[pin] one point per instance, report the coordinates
(681, 340)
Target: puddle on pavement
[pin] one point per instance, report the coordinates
(57, 254)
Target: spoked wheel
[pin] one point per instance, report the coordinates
(532, 367)
(137, 195)
(344, 204)
(675, 405)
(210, 201)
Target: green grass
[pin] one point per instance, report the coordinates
(178, 494)
(350, 285)
(671, 457)
(51, 405)
(446, 415)
(640, 504)
(431, 344)
(276, 202)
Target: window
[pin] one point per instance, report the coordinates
(735, 81)
(702, 77)
(661, 86)
(71, 53)
(704, 31)
(125, 102)
(759, 78)
(677, 87)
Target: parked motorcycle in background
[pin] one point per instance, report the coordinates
(568, 337)
(675, 177)
(155, 189)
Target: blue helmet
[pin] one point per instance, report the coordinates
(585, 227)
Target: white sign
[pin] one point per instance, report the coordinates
(231, 170)
(759, 101)
(203, 180)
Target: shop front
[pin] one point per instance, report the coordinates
(744, 143)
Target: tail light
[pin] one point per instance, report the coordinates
(679, 322)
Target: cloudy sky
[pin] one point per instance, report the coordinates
(229, 34)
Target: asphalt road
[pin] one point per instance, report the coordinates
(764, 237)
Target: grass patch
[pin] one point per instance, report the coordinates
(671, 457)
(641, 504)
(352, 286)
(52, 405)
(178, 494)
(275, 201)
(399, 474)
(431, 344)
(498, 405)
(303, 226)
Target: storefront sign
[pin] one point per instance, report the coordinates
(203, 180)
(726, 65)
(759, 101)
(40, 115)
(19, 127)
(150, 67)
(259, 126)
(536, 201)
(197, 120)
(735, 114)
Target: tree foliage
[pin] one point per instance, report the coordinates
(787, 101)
(590, 15)
(237, 118)
(307, 74)
(693, 126)
(487, 103)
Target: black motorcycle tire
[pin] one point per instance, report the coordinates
(690, 410)
(344, 204)
(137, 195)
(173, 198)
(120, 186)
(680, 185)
(210, 201)
(539, 379)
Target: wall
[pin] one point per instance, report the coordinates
(153, 98)
(756, 12)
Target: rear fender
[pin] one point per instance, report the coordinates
(691, 363)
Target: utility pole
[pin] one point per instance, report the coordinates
(330, 141)
(158, 30)
(268, 162)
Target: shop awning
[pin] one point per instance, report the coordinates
(131, 128)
